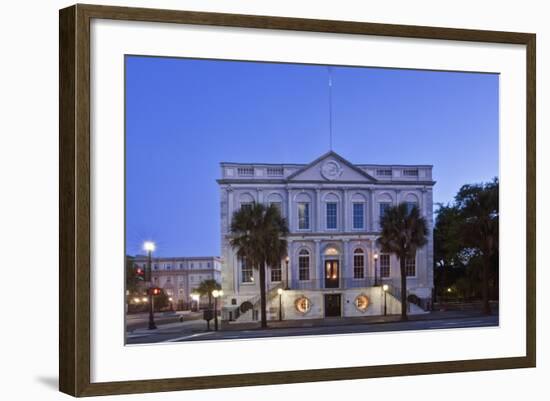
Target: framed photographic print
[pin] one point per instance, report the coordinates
(297, 200)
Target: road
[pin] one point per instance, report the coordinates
(141, 320)
(195, 330)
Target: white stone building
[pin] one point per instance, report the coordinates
(178, 276)
(334, 267)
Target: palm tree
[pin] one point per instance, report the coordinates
(206, 287)
(259, 236)
(403, 232)
(479, 208)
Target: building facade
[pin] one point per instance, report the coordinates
(334, 267)
(179, 276)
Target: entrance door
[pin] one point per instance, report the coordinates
(332, 274)
(332, 305)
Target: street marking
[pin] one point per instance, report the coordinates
(188, 337)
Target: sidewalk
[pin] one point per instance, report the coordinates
(343, 321)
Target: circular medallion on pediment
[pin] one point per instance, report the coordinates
(331, 170)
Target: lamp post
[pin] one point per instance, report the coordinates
(375, 269)
(216, 294)
(280, 292)
(287, 259)
(385, 288)
(149, 246)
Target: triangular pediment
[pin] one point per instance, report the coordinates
(331, 167)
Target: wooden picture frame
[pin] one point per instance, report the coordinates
(74, 204)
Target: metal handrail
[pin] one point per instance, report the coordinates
(340, 283)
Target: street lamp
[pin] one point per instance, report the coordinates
(149, 246)
(287, 259)
(375, 269)
(280, 292)
(216, 294)
(385, 288)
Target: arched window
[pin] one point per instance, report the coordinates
(385, 201)
(303, 265)
(358, 263)
(246, 201)
(303, 204)
(411, 201)
(331, 210)
(358, 202)
(276, 200)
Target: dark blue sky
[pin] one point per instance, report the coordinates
(185, 116)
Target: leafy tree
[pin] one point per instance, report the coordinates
(447, 244)
(259, 235)
(206, 287)
(478, 204)
(161, 301)
(403, 232)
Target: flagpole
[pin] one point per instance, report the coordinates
(330, 106)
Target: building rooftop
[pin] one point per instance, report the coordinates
(329, 163)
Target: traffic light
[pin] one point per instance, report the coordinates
(140, 273)
(155, 291)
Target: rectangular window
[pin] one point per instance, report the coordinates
(332, 216)
(411, 172)
(245, 171)
(303, 216)
(384, 265)
(276, 273)
(410, 267)
(246, 205)
(384, 172)
(359, 265)
(247, 275)
(274, 171)
(358, 216)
